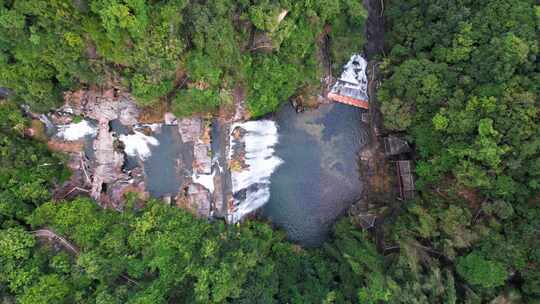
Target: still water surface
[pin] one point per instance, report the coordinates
(319, 178)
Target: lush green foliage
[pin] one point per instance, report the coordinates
(466, 89)
(462, 84)
(478, 271)
(27, 168)
(162, 254)
(47, 47)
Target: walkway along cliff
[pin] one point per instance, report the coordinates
(385, 162)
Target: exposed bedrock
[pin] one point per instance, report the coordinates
(118, 154)
(198, 190)
(102, 161)
(102, 106)
(108, 161)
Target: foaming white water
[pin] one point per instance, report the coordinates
(260, 162)
(206, 180)
(138, 144)
(74, 131)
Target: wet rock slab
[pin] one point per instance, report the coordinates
(104, 179)
(200, 186)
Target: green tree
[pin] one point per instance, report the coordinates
(27, 169)
(49, 289)
(481, 272)
(17, 269)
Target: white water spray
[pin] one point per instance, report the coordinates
(138, 144)
(75, 131)
(260, 162)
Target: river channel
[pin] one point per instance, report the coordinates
(300, 170)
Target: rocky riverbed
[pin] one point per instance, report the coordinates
(214, 167)
(300, 168)
(111, 153)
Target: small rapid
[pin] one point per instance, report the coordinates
(138, 144)
(74, 131)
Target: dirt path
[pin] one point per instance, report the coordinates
(323, 57)
(374, 166)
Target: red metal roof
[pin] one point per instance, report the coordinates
(349, 100)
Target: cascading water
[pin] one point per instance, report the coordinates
(138, 144)
(50, 128)
(252, 153)
(75, 131)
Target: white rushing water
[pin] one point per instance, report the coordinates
(138, 144)
(206, 180)
(74, 131)
(258, 144)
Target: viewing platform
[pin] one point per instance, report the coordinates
(351, 86)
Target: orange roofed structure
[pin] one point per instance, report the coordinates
(351, 87)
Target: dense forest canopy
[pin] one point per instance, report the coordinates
(163, 255)
(461, 81)
(464, 83)
(47, 47)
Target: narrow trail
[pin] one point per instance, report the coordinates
(375, 167)
(51, 236)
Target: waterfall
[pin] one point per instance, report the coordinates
(75, 131)
(252, 163)
(138, 144)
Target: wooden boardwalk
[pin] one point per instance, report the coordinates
(51, 236)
